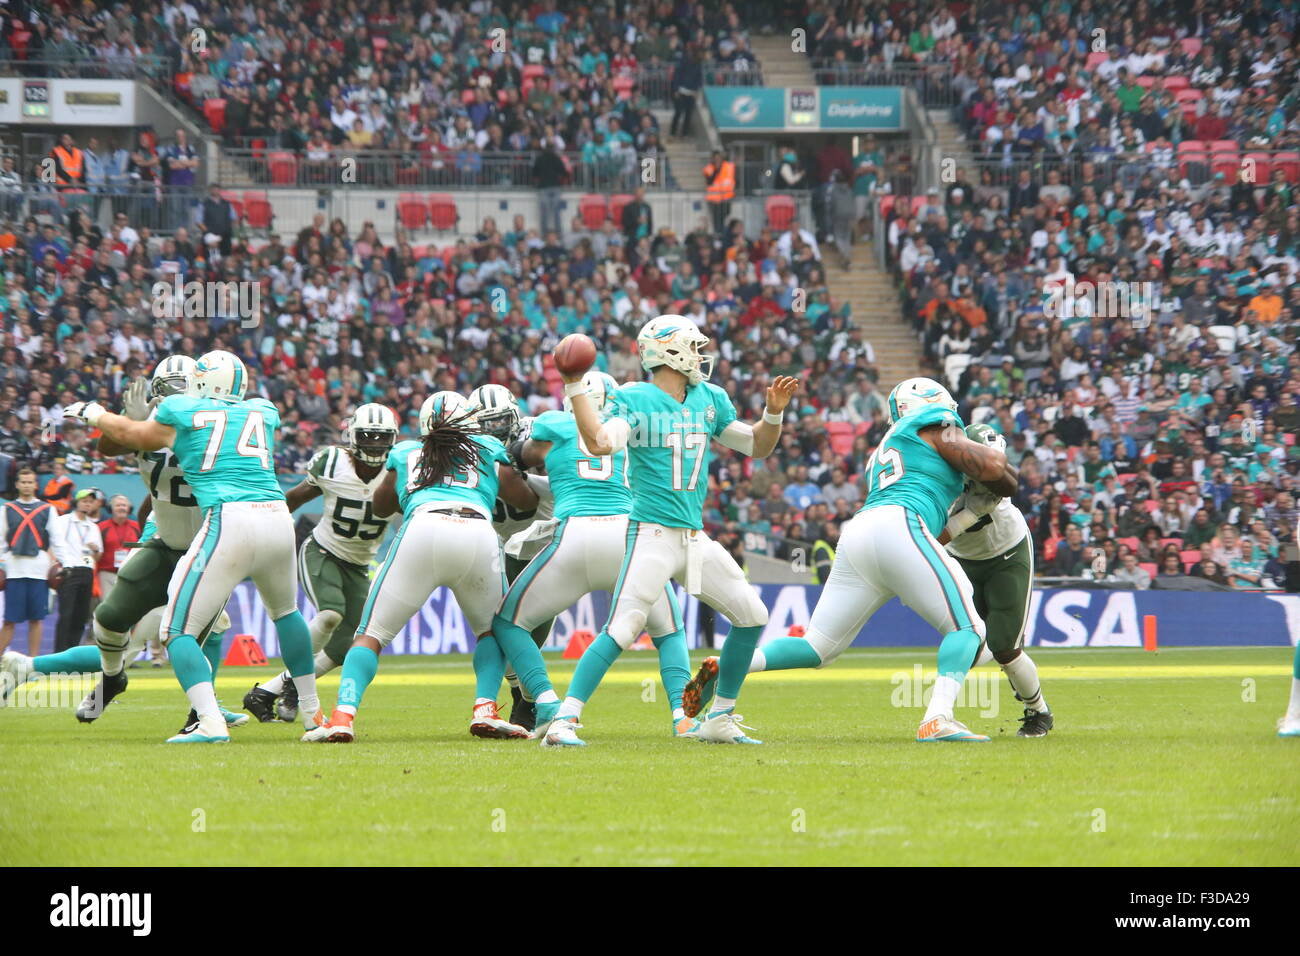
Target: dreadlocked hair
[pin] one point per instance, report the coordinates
(448, 447)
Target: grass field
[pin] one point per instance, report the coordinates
(1157, 759)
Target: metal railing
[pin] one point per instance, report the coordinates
(932, 81)
(160, 209)
(1125, 169)
(717, 73)
(150, 69)
(341, 168)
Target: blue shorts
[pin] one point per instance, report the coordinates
(26, 599)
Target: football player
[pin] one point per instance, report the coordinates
(445, 485)
(225, 447)
(667, 426)
(334, 560)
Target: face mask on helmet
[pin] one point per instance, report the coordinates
(373, 446)
(166, 385)
(501, 424)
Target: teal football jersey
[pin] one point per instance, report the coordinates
(582, 484)
(225, 448)
(906, 470)
(670, 448)
(469, 487)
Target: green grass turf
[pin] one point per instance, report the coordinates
(1184, 769)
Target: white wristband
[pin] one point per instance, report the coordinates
(574, 388)
(959, 522)
(771, 419)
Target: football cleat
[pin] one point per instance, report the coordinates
(699, 690)
(336, 730)
(260, 703)
(287, 706)
(1288, 727)
(687, 727)
(1035, 723)
(104, 693)
(945, 728)
(15, 669)
(313, 720)
(545, 716)
(231, 718)
(523, 712)
(487, 723)
(724, 728)
(204, 731)
(563, 733)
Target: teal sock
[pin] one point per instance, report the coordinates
(733, 664)
(295, 644)
(359, 669)
(595, 660)
(1295, 670)
(489, 667)
(957, 653)
(786, 653)
(674, 666)
(212, 651)
(82, 659)
(524, 656)
(188, 662)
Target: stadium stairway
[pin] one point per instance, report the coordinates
(870, 293)
(781, 65)
(952, 144)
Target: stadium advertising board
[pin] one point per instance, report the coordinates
(806, 109)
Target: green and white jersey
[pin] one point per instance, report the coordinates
(225, 448)
(906, 470)
(176, 515)
(468, 487)
(993, 535)
(348, 528)
(507, 520)
(581, 483)
(669, 449)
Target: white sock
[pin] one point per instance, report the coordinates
(308, 702)
(547, 697)
(204, 701)
(943, 697)
(324, 664)
(1023, 675)
(721, 704)
(111, 660)
(276, 684)
(678, 713)
(1293, 712)
(572, 707)
(480, 701)
(758, 662)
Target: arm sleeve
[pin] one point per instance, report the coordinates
(738, 436)
(726, 413)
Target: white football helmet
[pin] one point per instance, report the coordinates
(372, 432)
(450, 407)
(599, 386)
(913, 394)
(985, 435)
(173, 376)
(221, 374)
(495, 411)
(675, 341)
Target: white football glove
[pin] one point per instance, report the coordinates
(135, 400)
(88, 412)
(980, 501)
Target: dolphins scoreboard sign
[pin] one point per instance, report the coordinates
(1058, 617)
(760, 109)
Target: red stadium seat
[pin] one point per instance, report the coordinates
(232, 197)
(1130, 543)
(623, 86)
(616, 204)
(1191, 45)
(1222, 145)
(1190, 557)
(380, 44)
(412, 211)
(18, 40)
(1095, 60)
(257, 210)
(283, 168)
(841, 436)
(918, 203)
(886, 207)
(781, 212)
(533, 70)
(594, 211)
(1227, 163)
(1146, 82)
(1175, 83)
(1257, 168)
(1289, 163)
(215, 112)
(442, 211)
(1149, 568)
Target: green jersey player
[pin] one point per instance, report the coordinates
(584, 549)
(445, 486)
(997, 554)
(890, 548)
(225, 447)
(334, 560)
(667, 426)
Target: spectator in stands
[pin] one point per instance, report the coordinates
(1131, 572)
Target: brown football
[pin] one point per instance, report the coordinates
(575, 354)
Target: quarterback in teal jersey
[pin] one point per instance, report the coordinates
(667, 426)
(894, 547)
(225, 448)
(446, 486)
(584, 549)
